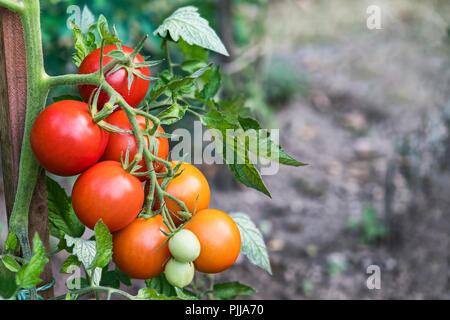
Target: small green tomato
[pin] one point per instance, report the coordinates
(179, 274)
(184, 246)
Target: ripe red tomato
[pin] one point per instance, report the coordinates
(65, 139)
(118, 142)
(138, 249)
(220, 240)
(118, 80)
(106, 191)
(189, 185)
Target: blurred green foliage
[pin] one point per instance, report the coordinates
(307, 286)
(263, 84)
(369, 227)
(131, 18)
(282, 82)
(336, 267)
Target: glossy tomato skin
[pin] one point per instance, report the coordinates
(220, 240)
(179, 274)
(119, 142)
(118, 80)
(138, 249)
(189, 185)
(106, 191)
(184, 246)
(65, 139)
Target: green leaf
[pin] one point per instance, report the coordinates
(85, 250)
(242, 135)
(157, 91)
(123, 277)
(271, 150)
(109, 279)
(161, 285)
(233, 109)
(60, 212)
(193, 52)
(187, 23)
(182, 294)
(152, 294)
(103, 243)
(180, 83)
(192, 65)
(212, 86)
(84, 43)
(87, 19)
(170, 85)
(241, 165)
(11, 242)
(103, 30)
(7, 282)
(28, 275)
(248, 175)
(231, 290)
(172, 114)
(11, 264)
(67, 97)
(113, 278)
(69, 264)
(252, 242)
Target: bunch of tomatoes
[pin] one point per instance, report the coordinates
(67, 141)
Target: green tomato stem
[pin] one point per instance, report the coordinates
(169, 60)
(74, 79)
(102, 45)
(87, 290)
(107, 110)
(37, 92)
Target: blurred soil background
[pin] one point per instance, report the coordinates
(368, 110)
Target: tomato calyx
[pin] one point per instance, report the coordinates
(127, 62)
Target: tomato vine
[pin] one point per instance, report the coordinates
(176, 94)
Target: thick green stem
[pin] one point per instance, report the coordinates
(77, 79)
(74, 79)
(37, 92)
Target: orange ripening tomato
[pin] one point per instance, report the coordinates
(118, 79)
(187, 186)
(65, 139)
(106, 191)
(138, 249)
(220, 240)
(119, 142)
